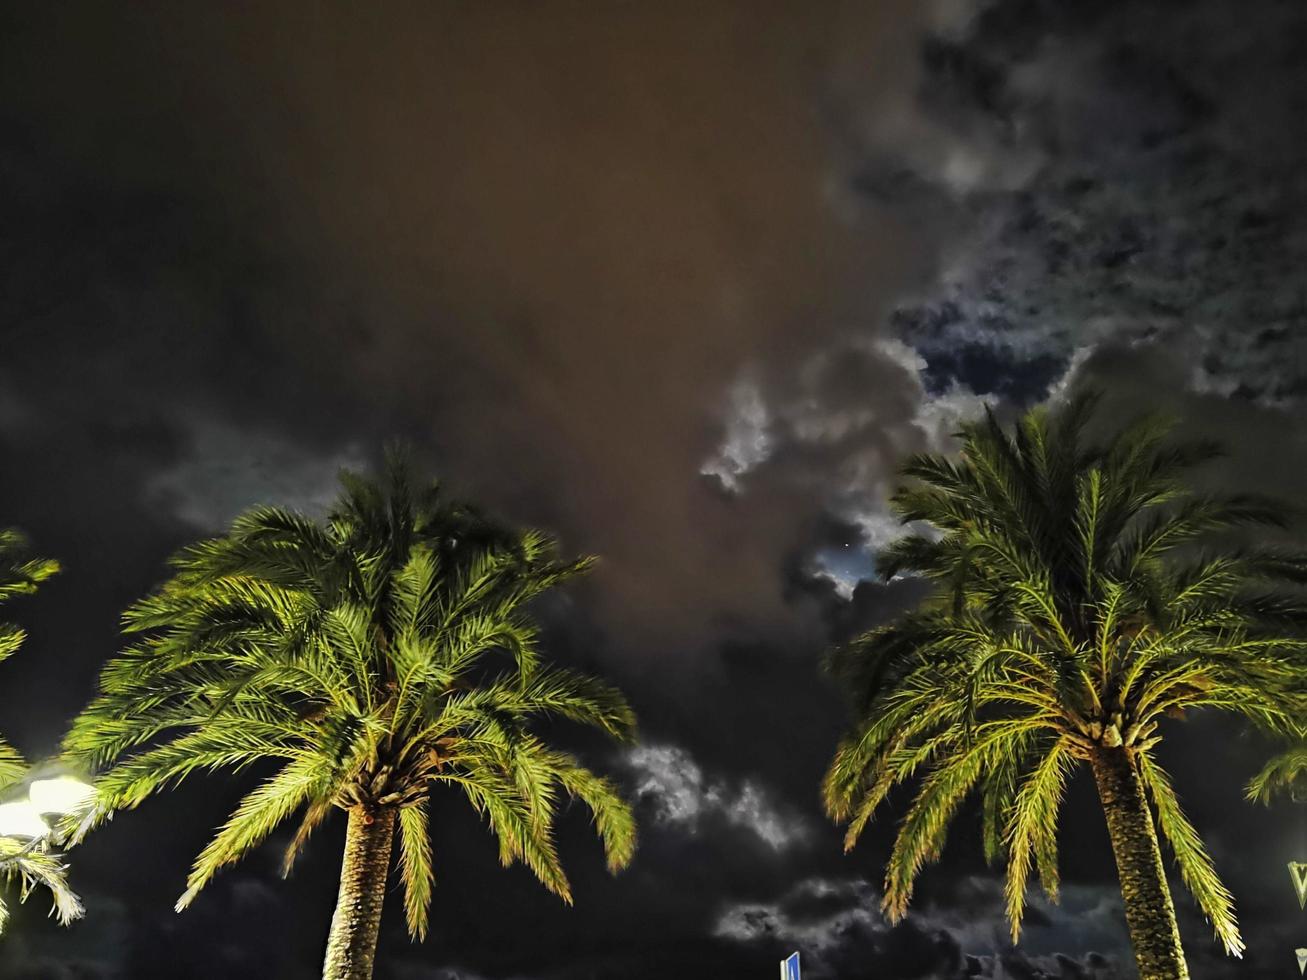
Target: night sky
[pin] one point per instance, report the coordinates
(680, 282)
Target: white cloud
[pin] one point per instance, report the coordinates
(1061, 388)
(747, 442)
(683, 797)
(940, 416)
(841, 411)
(814, 414)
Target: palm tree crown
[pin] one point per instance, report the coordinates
(30, 861)
(377, 655)
(1082, 595)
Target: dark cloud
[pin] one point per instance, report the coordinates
(835, 922)
(1166, 208)
(542, 239)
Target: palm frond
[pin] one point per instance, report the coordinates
(1282, 773)
(1032, 830)
(1196, 867)
(417, 871)
(257, 816)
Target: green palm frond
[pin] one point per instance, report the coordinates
(1196, 867)
(257, 816)
(37, 867)
(417, 871)
(1031, 835)
(1282, 773)
(921, 835)
(612, 815)
(12, 766)
(20, 572)
(521, 834)
(317, 811)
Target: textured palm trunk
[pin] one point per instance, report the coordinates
(352, 944)
(1149, 911)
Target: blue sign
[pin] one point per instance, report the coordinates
(790, 967)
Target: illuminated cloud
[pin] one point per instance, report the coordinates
(747, 442)
(684, 798)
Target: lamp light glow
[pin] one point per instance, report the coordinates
(61, 795)
(22, 819)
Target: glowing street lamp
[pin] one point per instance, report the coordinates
(29, 826)
(23, 821)
(60, 795)
(27, 821)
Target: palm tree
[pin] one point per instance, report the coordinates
(1082, 595)
(29, 860)
(375, 656)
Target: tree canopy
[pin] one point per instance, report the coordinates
(376, 656)
(1084, 594)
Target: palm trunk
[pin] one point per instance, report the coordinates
(1149, 911)
(352, 943)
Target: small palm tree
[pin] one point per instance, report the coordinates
(1082, 596)
(376, 657)
(27, 859)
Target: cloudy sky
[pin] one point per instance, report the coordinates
(680, 282)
